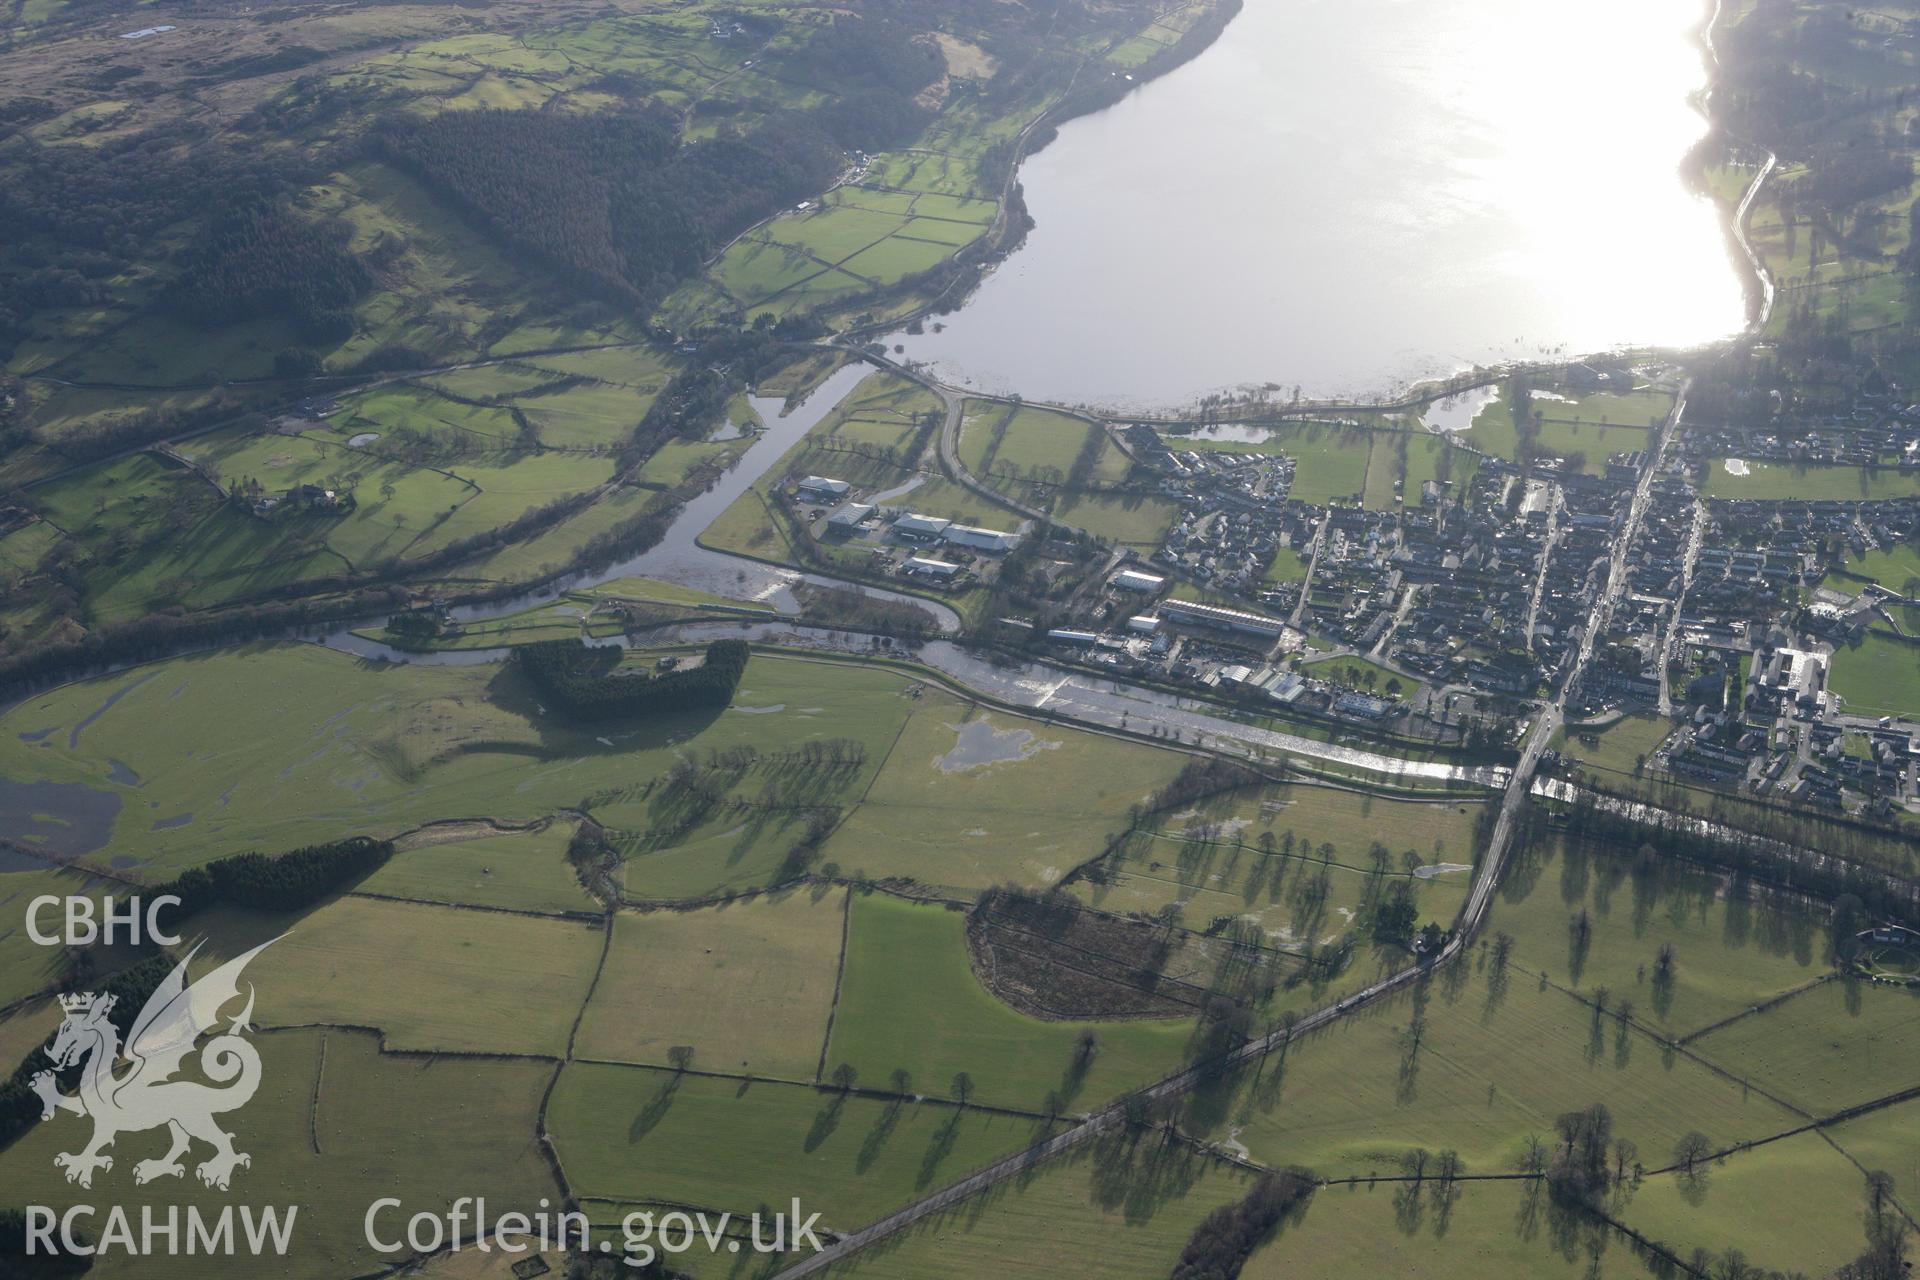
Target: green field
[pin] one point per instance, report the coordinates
(27, 1029)
(481, 981)
(1017, 442)
(1621, 746)
(1734, 1204)
(1057, 793)
(748, 986)
(1887, 1140)
(640, 1134)
(1892, 567)
(1400, 463)
(1213, 862)
(515, 872)
(1809, 482)
(1493, 1063)
(1839, 1045)
(1363, 676)
(1879, 676)
(336, 1124)
(909, 1001)
(1590, 427)
(1731, 951)
(1330, 461)
(1115, 1211)
(1473, 1231)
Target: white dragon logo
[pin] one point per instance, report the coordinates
(147, 1096)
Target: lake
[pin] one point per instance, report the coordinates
(1353, 195)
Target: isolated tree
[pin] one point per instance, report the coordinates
(843, 1077)
(1693, 1147)
(1085, 1046)
(680, 1056)
(1624, 1152)
(962, 1087)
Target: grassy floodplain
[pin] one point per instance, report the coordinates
(1479, 1231)
(910, 1001)
(640, 1134)
(1730, 950)
(1117, 1211)
(1478, 1068)
(748, 986)
(1836, 1046)
(515, 872)
(1726, 1206)
(480, 981)
(1211, 861)
(1057, 793)
(1892, 567)
(333, 1118)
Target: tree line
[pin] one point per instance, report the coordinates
(1227, 1237)
(282, 882)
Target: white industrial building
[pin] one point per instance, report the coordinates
(928, 567)
(1134, 580)
(1189, 613)
(962, 535)
(822, 489)
(920, 528)
(850, 516)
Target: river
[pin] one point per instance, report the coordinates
(1354, 195)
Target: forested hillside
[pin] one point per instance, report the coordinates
(468, 268)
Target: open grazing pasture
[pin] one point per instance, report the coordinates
(1671, 945)
(638, 1134)
(514, 872)
(1887, 1140)
(1735, 1203)
(335, 1125)
(747, 986)
(272, 747)
(1287, 858)
(1476, 1061)
(26, 967)
(1468, 1231)
(1107, 1211)
(1839, 1045)
(910, 1002)
(481, 981)
(1057, 794)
